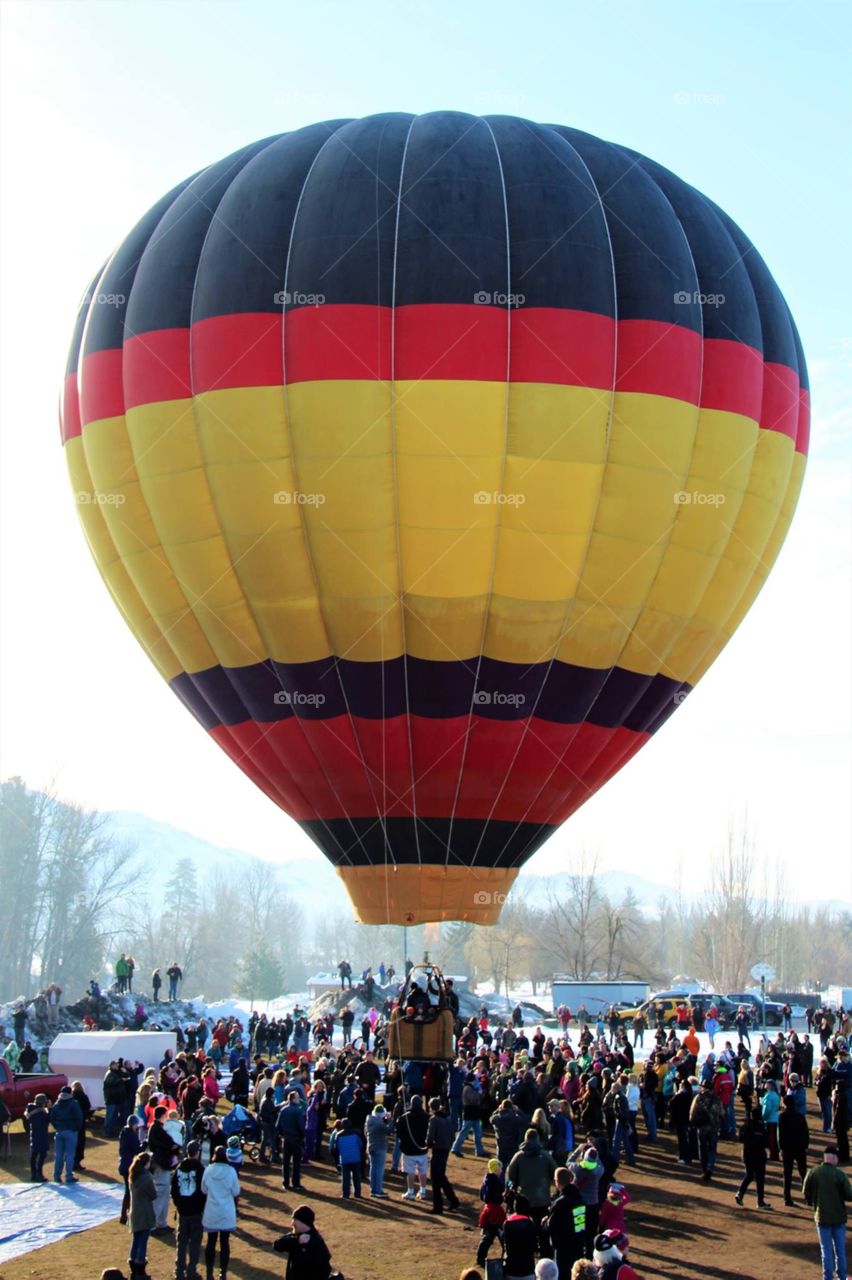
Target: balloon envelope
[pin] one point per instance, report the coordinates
(433, 460)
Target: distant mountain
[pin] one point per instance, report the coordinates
(313, 884)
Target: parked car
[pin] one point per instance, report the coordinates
(17, 1090)
(671, 1000)
(774, 1010)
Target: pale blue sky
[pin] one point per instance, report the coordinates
(107, 105)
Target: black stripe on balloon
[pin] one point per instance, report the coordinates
(492, 844)
(560, 692)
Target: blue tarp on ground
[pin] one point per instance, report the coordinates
(33, 1214)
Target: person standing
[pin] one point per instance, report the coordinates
(439, 1139)
(82, 1099)
(754, 1139)
(129, 1147)
(189, 1201)
(156, 983)
(411, 1131)
(164, 1153)
(706, 1118)
(36, 1123)
(67, 1119)
(378, 1128)
(565, 1225)
(174, 973)
(793, 1140)
(827, 1190)
(291, 1127)
(308, 1257)
(221, 1186)
(143, 1219)
(530, 1174)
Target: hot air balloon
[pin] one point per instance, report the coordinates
(433, 460)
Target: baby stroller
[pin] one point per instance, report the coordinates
(242, 1124)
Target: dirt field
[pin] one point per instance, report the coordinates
(679, 1227)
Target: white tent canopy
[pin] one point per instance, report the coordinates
(86, 1055)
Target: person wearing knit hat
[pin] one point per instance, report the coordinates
(493, 1214)
(609, 1258)
(307, 1252)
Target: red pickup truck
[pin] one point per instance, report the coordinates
(18, 1090)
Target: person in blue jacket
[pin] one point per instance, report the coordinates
(346, 1147)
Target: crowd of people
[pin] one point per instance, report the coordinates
(564, 1114)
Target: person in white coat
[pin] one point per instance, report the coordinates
(221, 1186)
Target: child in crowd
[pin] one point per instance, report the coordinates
(493, 1214)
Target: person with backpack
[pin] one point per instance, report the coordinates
(308, 1257)
(705, 1116)
(189, 1201)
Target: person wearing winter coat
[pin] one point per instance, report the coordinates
(520, 1238)
(189, 1201)
(793, 1140)
(129, 1147)
(587, 1170)
(346, 1147)
(827, 1190)
(291, 1128)
(37, 1125)
(755, 1140)
(565, 1224)
(530, 1175)
(143, 1219)
(493, 1213)
(705, 1116)
(471, 1117)
(164, 1157)
(221, 1186)
(308, 1257)
(439, 1138)
(509, 1128)
(67, 1119)
(378, 1130)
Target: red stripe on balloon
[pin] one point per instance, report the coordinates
(70, 424)
(101, 386)
(442, 341)
(514, 771)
